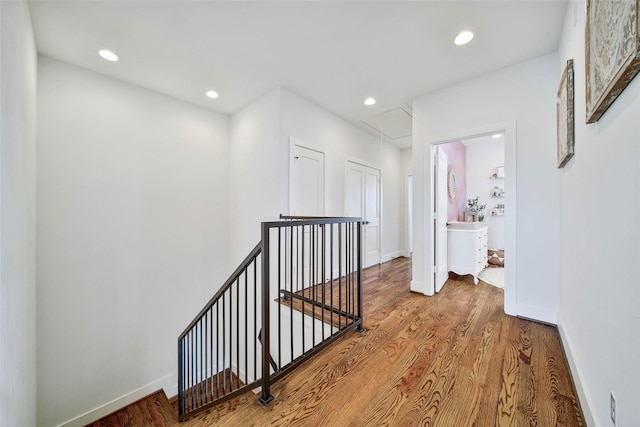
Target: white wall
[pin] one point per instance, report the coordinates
(260, 135)
(18, 69)
(257, 174)
(483, 157)
(393, 202)
(600, 244)
(524, 93)
(407, 160)
(132, 233)
(340, 141)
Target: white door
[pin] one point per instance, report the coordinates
(363, 190)
(306, 189)
(306, 198)
(440, 219)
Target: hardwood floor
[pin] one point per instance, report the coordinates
(450, 360)
(454, 359)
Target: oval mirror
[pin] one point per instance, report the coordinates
(451, 183)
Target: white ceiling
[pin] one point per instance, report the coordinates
(334, 54)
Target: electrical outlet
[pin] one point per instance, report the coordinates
(614, 410)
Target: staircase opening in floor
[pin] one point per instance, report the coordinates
(297, 291)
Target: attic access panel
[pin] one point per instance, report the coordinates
(394, 124)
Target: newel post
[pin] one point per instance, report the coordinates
(360, 327)
(266, 396)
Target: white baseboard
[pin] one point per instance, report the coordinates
(164, 383)
(390, 256)
(171, 391)
(583, 395)
(241, 373)
(536, 313)
(419, 287)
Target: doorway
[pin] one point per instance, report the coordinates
(363, 199)
(306, 180)
(440, 198)
(508, 130)
(409, 217)
(306, 198)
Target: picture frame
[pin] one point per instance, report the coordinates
(470, 216)
(565, 114)
(612, 52)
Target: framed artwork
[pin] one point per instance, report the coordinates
(564, 105)
(612, 52)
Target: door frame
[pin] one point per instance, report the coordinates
(436, 154)
(510, 160)
(380, 196)
(294, 141)
(408, 215)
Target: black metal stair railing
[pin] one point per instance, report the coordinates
(298, 290)
(218, 352)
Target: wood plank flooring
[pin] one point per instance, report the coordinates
(454, 359)
(451, 360)
(331, 300)
(153, 410)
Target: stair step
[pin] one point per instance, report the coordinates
(215, 387)
(330, 294)
(153, 410)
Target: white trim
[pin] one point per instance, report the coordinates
(293, 141)
(164, 383)
(380, 197)
(419, 287)
(583, 395)
(537, 313)
(242, 373)
(364, 163)
(408, 216)
(510, 143)
(392, 255)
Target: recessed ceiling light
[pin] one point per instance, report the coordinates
(369, 101)
(212, 94)
(463, 38)
(496, 136)
(108, 55)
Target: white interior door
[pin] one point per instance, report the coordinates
(306, 189)
(440, 219)
(363, 191)
(306, 198)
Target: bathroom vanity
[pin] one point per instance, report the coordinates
(467, 248)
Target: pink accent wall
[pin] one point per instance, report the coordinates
(457, 158)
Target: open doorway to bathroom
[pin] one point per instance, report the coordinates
(473, 235)
(485, 182)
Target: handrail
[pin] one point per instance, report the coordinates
(317, 219)
(252, 255)
(243, 338)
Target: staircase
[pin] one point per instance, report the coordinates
(153, 410)
(298, 290)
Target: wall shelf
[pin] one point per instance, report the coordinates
(497, 192)
(498, 174)
(497, 210)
